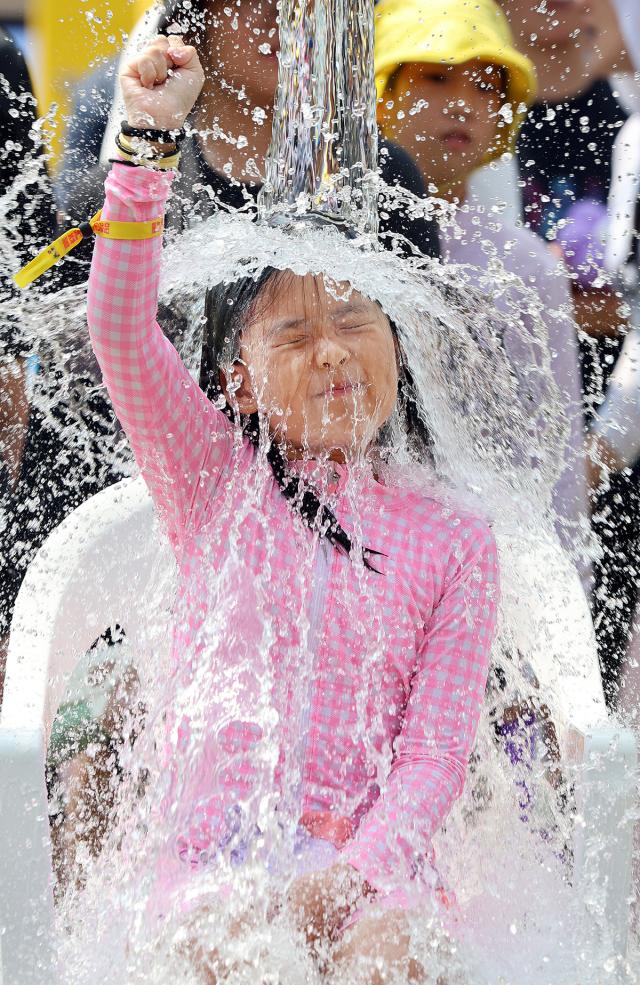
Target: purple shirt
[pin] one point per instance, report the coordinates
(483, 236)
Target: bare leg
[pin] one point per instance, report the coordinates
(89, 798)
(376, 952)
(89, 783)
(212, 968)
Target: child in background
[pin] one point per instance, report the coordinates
(316, 379)
(452, 90)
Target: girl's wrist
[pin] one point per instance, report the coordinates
(140, 193)
(148, 124)
(150, 146)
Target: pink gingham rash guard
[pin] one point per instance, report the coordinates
(431, 612)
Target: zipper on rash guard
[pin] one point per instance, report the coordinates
(320, 574)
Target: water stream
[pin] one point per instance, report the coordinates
(488, 456)
(134, 912)
(324, 146)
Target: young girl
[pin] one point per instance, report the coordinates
(397, 612)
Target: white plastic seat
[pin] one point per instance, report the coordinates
(90, 575)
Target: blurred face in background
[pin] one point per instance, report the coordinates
(240, 60)
(571, 42)
(445, 117)
(242, 49)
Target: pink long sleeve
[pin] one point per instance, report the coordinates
(440, 604)
(440, 722)
(178, 438)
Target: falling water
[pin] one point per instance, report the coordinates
(130, 912)
(324, 146)
(487, 457)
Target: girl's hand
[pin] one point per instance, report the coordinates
(322, 901)
(161, 84)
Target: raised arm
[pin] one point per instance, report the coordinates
(176, 434)
(180, 441)
(433, 748)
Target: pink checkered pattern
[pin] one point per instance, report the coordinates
(400, 659)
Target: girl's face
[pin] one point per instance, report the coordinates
(445, 116)
(323, 371)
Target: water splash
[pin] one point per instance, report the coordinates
(324, 147)
(496, 429)
(487, 456)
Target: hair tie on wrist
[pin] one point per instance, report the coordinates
(126, 163)
(155, 136)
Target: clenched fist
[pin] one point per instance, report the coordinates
(160, 85)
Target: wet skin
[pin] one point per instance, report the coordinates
(446, 117)
(322, 371)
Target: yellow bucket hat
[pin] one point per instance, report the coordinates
(451, 32)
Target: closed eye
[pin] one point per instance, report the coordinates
(354, 326)
(434, 77)
(290, 342)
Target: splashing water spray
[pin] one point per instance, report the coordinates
(138, 909)
(324, 147)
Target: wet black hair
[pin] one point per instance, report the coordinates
(227, 308)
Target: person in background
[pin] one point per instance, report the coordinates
(28, 214)
(564, 154)
(572, 41)
(223, 158)
(615, 431)
(450, 82)
(601, 243)
(566, 143)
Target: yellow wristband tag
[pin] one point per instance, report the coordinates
(48, 257)
(109, 229)
(106, 228)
